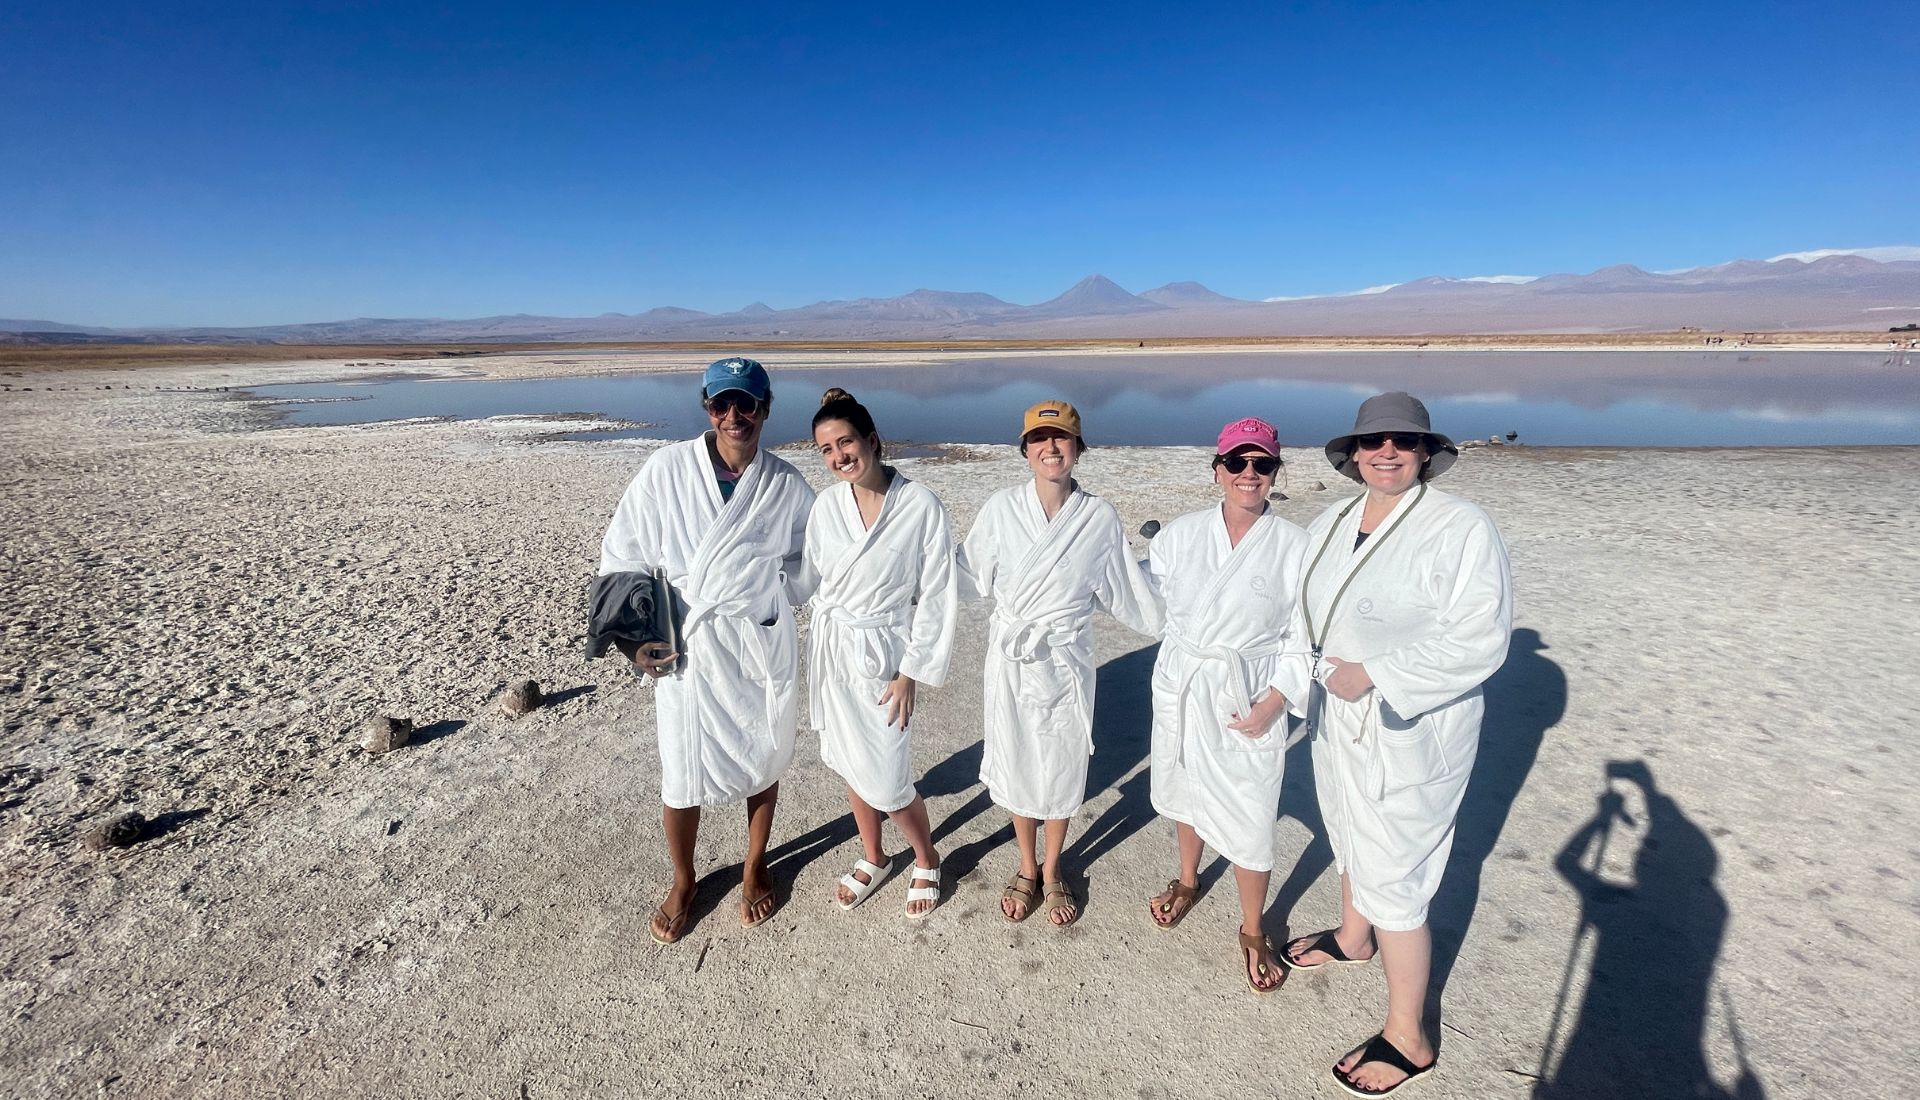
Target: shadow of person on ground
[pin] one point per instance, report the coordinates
(1299, 797)
(1122, 733)
(1640, 1025)
(1525, 699)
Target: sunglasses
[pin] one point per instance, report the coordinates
(738, 401)
(1402, 441)
(1264, 465)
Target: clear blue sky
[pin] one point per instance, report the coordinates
(248, 163)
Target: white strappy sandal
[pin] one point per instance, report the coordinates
(876, 874)
(929, 892)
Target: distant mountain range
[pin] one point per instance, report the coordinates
(1833, 291)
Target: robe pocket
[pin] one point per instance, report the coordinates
(1410, 751)
(1045, 698)
(1274, 740)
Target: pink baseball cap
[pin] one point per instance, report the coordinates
(1251, 432)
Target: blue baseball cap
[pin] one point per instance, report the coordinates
(736, 373)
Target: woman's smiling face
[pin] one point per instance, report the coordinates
(1390, 463)
(1248, 488)
(847, 453)
(1051, 454)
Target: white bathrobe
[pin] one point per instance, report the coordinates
(1230, 617)
(1045, 579)
(1429, 615)
(727, 719)
(884, 606)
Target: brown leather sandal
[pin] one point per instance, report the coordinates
(1060, 896)
(1262, 947)
(1179, 899)
(1023, 890)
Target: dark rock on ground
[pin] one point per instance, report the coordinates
(119, 831)
(521, 697)
(383, 734)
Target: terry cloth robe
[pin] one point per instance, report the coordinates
(884, 606)
(726, 720)
(1429, 615)
(1045, 578)
(1230, 617)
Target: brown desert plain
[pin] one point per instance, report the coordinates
(1688, 863)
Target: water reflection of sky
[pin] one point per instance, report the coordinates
(1568, 398)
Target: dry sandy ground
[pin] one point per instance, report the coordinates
(198, 611)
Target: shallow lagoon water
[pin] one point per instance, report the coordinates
(1632, 399)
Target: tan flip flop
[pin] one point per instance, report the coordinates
(747, 919)
(675, 924)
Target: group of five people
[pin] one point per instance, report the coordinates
(1375, 627)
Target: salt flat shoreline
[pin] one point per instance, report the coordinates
(199, 612)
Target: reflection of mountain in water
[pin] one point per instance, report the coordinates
(1596, 398)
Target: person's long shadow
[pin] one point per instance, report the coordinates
(1525, 699)
(1122, 733)
(1639, 1029)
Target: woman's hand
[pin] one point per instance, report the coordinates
(898, 699)
(1348, 680)
(655, 659)
(1260, 717)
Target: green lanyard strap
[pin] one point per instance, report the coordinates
(1319, 637)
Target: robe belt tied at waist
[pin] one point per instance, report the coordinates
(870, 629)
(1021, 638)
(1235, 658)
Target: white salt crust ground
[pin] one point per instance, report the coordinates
(198, 611)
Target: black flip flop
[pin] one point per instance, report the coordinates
(1381, 1049)
(1327, 944)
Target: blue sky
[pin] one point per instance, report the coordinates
(253, 164)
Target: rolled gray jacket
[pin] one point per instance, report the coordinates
(620, 613)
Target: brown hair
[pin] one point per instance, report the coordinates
(838, 404)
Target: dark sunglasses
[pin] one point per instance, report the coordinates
(1402, 441)
(738, 401)
(1264, 465)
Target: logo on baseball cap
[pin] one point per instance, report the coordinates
(736, 374)
(1249, 432)
(1053, 414)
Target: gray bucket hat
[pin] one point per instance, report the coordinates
(1393, 412)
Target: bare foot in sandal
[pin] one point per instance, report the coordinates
(1016, 901)
(757, 899)
(669, 922)
(1062, 907)
(1169, 906)
(1264, 972)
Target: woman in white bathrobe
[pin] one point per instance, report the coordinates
(1407, 604)
(1047, 553)
(1229, 575)
(881, 551)
(725, 521)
